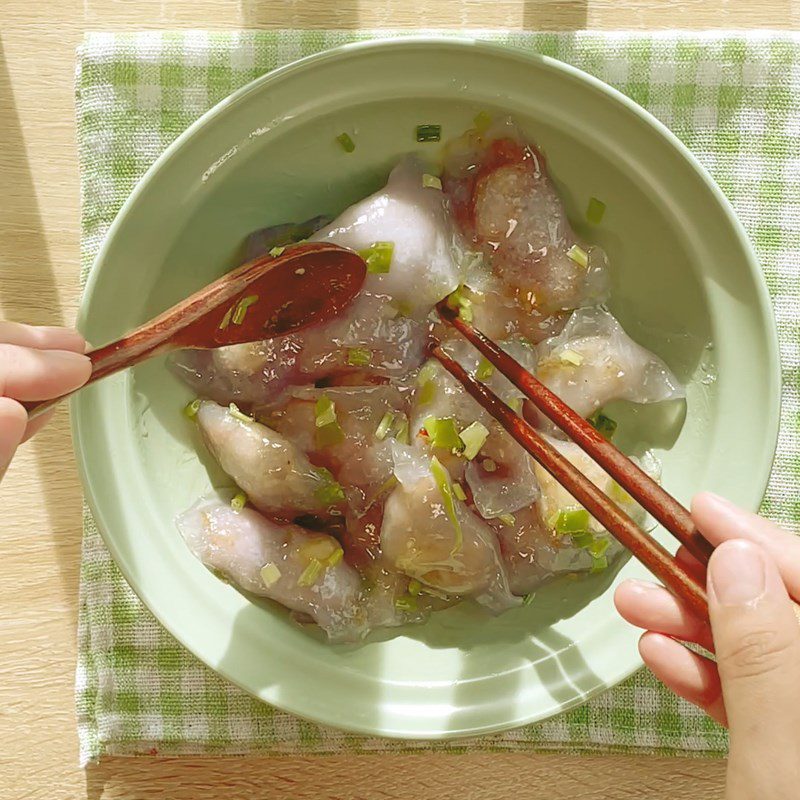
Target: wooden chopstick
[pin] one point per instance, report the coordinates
(652, 497)
(655, 557)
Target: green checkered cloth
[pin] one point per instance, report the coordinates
(732, 98)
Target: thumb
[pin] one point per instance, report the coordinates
(757, 643)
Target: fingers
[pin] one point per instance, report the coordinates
(13, 420)
(35, 425)
(688, 674)
(653, 608)
(719, 520)
(41, 337)
(757, 642)
(27, 374)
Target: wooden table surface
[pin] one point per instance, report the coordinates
(39, 552)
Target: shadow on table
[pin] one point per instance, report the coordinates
(299, 14)
(555, 15)
(28, 293)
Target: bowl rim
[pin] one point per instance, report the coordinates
(489, 48)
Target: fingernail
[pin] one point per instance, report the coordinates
(645, 587)
(719, 499)
(737, 573)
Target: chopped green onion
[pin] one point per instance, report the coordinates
(579, 256)
(508, 520)
(458, 300)
(429, 133)
(528, 599)
(482, 122)
(324, 411)
(384, 425)
(359, 356)
(427, 393)
(241, 308)
(552, 519)
(459, 492)
(330, 492)
(442, 432)
(571, 357)
(474, 436)
(599, 546)
(190, 409)
(320, 548)
(310, 574)
(572, 520)
(442, 478)
(595, 211)
(604, 425)
(270, 574)
(233, 410)
(328, 435)
(402, 435)
(239, 501)
(599, 564)
(226, 320)
(348, 145)
(582, 539)
(406, 604)
(336, 557)
(431, 182)
(426, 373)
(378, 256)
(276, 251)
(489, 465)
(485, 370)
(515, 404)
(414, 586)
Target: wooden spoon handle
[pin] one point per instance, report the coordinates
(110, 358)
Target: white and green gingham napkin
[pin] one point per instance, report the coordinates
(734, 99)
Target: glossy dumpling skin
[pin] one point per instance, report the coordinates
(274, 473)
(419, 539)
(509, 211)
(610, 365)
(360, 461)
(239, 544)
(414, 218)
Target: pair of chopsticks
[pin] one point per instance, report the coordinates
(665, 508)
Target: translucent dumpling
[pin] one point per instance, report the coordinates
(279, 562)
(593, 361)
(414, 219)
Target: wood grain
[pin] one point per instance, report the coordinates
(39, 259)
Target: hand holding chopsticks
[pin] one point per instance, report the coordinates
(665, 508)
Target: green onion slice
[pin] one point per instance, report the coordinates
(442, 432)
(431, 182)
(335, 557)
(277, 251)
(604, 425)
(414, 586)
(328, 435)
(226, 320)
(241, 308)
(595, 211)
(359, 356)
(474, 436)
(310, 574)
(348, 145)
(528, 599)
(190, 409)
(427, 392)
(429, 133)
(459, 299)
(489, 465)
(572, 520)
(508, 520)
(331, 491)
(233, 410)
(442, 478)
(378, 256)
(485, 370)
(270, 574)
(239, 501)
(384, 425)
(579, 256)
(406, 604)
(459, 492)
(402, 436)
(324, 411)
(570, 357)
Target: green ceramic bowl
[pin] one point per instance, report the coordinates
(686, 284)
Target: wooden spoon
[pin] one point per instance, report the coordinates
(267, 297)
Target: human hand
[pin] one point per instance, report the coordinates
(754, 686)
(36, 363)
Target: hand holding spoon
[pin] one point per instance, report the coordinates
(267, 297)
